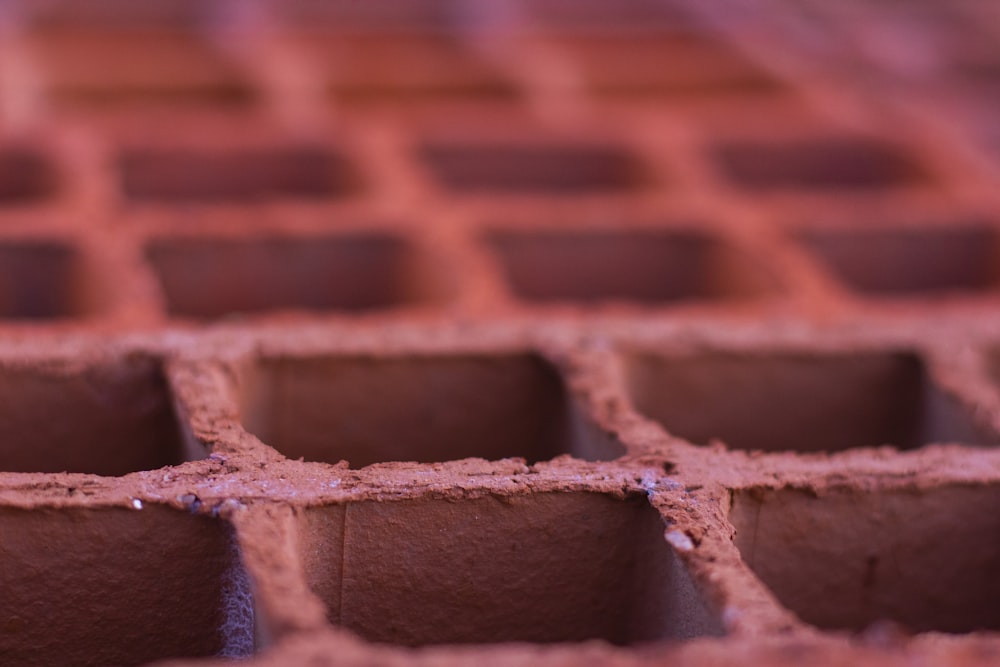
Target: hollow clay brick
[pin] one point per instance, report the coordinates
(415, 333)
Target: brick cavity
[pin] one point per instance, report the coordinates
(210, 278)
(546, 169)
(841, 164)
(640, 266)
(109, 418)
(39, 280)
(116, 586)
(845, 559)
(910, 261)
(164, 67)
(26, 176)
(440, 68)
(631, 66)
(420, 408)
(797, 401)
(544, 568)
(235, 175)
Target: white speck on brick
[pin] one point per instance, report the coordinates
(679, 540)
(136, 504)
(649, 484)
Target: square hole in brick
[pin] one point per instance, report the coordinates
(545, 568)
(838, 164)
(912, 260)
(978, 74)
(429, 409)
(107, 418)
(555, 169)
(235, 175)
(206, 278)
(26, 176)
(647, 267)
(667, 64)
(38, 280)
(115, 586)
(791, 401)
(108, 68)
(397, 69)
(845, 559)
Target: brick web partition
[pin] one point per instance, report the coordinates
(558, 332)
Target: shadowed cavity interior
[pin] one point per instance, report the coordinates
(778, 400)
(550, 567)
(207, 278)
(438, 68)
(108, 418)
(639, 266)
(26, 176)
(106, 69)
(235, 175)
(115, 586)
(960, 258)
(40, 280)
(835, 164)
(547, 169)
(418, 408)
(844, 559)
(632, 65)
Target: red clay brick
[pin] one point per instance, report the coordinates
(651, 333)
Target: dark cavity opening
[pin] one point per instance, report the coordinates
(806, 402)
(25, 176)
(844, 164)
(910, 261)
(115, 586)
(427, 409)
(106, 418)
(237, 175)
(845, 559)
(206, 278)
(543, 568)
(639, 266)
(541, 170)
(39, 280)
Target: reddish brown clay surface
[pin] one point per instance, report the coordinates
(557, 332)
